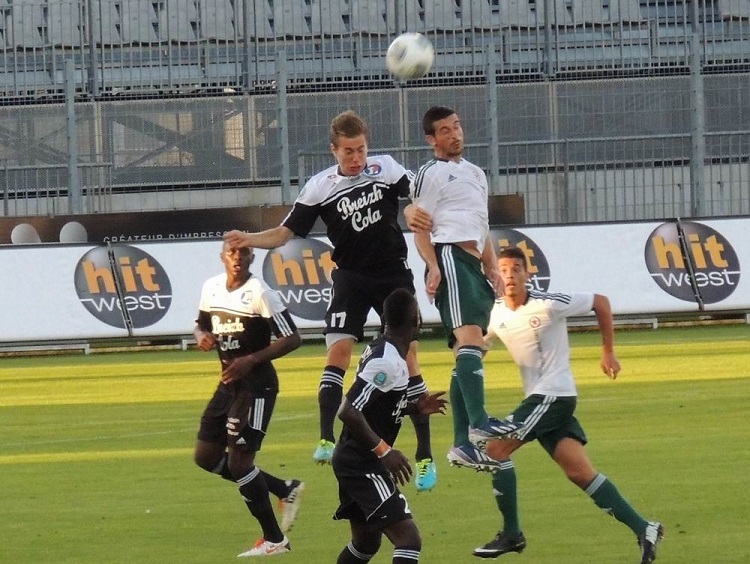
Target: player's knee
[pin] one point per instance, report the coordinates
(208, 457)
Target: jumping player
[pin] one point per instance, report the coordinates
(357, 200)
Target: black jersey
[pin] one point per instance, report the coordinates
(360, 214)
(379, 392)
(242, 321)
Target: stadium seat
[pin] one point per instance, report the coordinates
(481, 15)
(180, 21)
(330, 18)
(292, 19)
(441, 15)
(64, 25)
(376, 17)
(140, 22)
(220, 22)
(26, 26)
(734, 9)
(528, 14)
(604, 12)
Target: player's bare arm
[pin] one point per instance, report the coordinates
(242, 367)
(417, 219)
(603, 311)
(393, 460)
(427, 251)
(268, 239)
(489, 263)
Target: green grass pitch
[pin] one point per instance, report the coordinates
(96, 458)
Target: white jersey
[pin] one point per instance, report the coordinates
(455, 195)
(536, 336)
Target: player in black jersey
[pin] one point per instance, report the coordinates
(237, 315)
(358, 200)
(366, 465)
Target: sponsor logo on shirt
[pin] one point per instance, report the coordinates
(700, 260)
(373, 169)
(360, 210)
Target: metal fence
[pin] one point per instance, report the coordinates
(147, 47)
(592, 110)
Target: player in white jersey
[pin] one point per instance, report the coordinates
(238, 314)
(532, 326)
(461, 271)
(358, 201)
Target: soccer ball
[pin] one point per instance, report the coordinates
(410, 55)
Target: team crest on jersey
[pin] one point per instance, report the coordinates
(380, 378)
(246, 297)
(373, 170)
(534, 322)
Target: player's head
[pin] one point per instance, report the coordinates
(349, 142)
(401, 313)
(514, 272)
(236, 261)
(443, 132)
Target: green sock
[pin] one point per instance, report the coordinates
(506, 497)
(470, 374)
(460, 417)
(605, 495)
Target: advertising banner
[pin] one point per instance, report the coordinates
(152, 288)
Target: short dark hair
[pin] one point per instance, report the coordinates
(513, 253)
(400, 311)
(435, 113)
(348, 124)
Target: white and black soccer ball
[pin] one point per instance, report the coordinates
(410, 55)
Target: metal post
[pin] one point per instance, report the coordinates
(93, 51)
(6, 187)
(549, 13)
(283, 115)
(75, 200)
(697, 121)
(247, 33)
(494, 125)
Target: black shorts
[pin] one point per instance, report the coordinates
(354, 295)
(372, 499)
(237, 418)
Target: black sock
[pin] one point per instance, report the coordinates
(414, 390)
(254, 490)
(276, 486)
(351, 555)
(406, 555)
(330, 393)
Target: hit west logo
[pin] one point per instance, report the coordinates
(129, 278)
(717, 268)
(301, 272)
(536, 262)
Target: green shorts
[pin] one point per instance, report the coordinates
(464, 296)
(549, 419)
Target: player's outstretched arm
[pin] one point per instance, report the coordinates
(268, 239)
